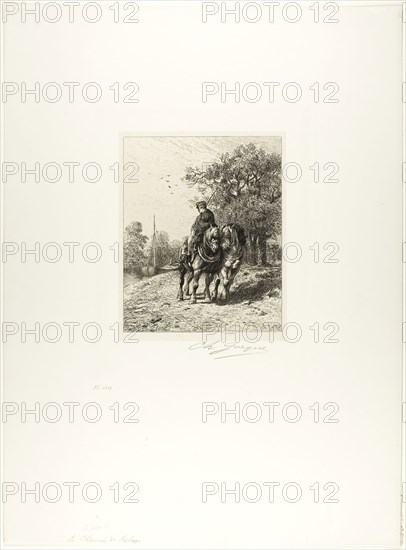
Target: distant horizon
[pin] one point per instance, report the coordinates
(162, 163)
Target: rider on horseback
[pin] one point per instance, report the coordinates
(204, 220)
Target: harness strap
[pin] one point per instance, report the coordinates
(209, 259)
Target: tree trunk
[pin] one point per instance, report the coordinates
(262, 250)
(249, 249)
(253, 249)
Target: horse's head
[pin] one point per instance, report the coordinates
(226, 236)
(233, 240)
(232, 234)
(212, 238)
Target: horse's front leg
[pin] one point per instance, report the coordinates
(196, 278)
(232, 274)
(208, 280)
(226, 290)
(189, 277)
(216, 288)
(181, 282)
(225, 279)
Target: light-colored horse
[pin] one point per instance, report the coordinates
(233, 241)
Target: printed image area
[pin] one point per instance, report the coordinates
(202, 233)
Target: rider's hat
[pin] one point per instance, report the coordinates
(201, 203)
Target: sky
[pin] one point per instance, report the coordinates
(162, 163)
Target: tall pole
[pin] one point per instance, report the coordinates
(154, 244)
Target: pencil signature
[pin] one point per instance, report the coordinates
(103, 539)
(222, 350)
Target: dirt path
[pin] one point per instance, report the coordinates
(150, 304)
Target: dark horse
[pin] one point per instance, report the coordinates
(206, 261)
(233, 240)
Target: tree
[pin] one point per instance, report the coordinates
(244, 186)
(162, 249)
(174, 251)
(134, 245)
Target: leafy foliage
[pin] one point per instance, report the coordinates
(134, 245)
(244, 186)
(166, 251)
